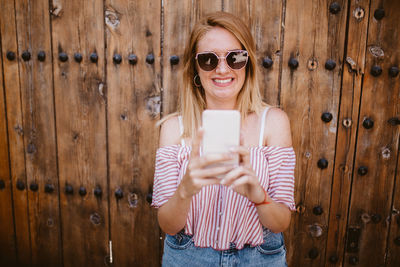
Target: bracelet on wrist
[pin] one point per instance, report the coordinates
(264, 201)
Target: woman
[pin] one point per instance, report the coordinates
(237, 220)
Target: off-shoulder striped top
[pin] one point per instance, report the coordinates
(218, 216)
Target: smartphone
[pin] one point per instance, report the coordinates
(221, 132)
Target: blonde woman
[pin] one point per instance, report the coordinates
(237, 220)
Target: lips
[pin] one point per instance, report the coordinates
(222, 82)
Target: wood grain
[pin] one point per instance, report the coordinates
(377, 147)
(33, 34)
(8, 256)
(80, 106)
(312, 36)
(353, 69)
(91, 125)
(133, 108)
(16, 131)
(179, 18)
(393, 248)
(265, 25)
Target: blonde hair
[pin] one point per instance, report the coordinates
(192, 99)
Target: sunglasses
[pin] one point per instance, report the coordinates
(236, 60)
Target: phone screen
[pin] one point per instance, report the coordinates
(221, 131)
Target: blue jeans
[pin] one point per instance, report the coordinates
(179, 250)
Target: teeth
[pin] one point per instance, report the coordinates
(223, 81)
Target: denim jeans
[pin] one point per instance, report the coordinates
(179, 250)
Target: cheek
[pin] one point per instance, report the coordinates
(242, 77)
(203, 75)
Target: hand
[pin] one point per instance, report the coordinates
(243, 179)
(199, 173)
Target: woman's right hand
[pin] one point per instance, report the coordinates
(200, 171)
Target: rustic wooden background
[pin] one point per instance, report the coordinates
(83, 82)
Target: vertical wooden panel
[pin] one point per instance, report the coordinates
(264, 18)
(33, 34)
(377, 146)
(15, 131)
(393, 246)
(312, 36)
(7, 234)
(133, 109)
(78, 27)
(179, 18)
(353, 70)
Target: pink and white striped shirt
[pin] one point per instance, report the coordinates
(218, 216)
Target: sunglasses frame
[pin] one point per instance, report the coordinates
(223, 57)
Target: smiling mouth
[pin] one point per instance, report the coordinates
(223, 81)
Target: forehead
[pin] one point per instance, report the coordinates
(218, 40)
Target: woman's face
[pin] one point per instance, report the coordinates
(223, 84)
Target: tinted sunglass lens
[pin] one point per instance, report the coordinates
(207, 61)
(237, 59)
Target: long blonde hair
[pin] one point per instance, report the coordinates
(192, 99)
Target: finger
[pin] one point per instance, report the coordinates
(197, 142)
(211, 172)
(209, 159)
(244, 154)
(233, 175)
(243, 180)
(241, 142)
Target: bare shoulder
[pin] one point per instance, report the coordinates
(170, 131)
(277, 131)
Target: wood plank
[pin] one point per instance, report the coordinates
(133, 109)
(33, 34)
(8, 256)
(15, 131)
(80, 104)
(377, 147)
(266, 30)
(179, 18)
(393, 245)
(312, 36)
(353, 70)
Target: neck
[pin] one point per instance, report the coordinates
(215, 104)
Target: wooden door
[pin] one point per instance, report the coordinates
(84, 82)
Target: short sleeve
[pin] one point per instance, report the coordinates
(166, 175)
(281, 164)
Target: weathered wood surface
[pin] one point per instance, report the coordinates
(93, 123)
(133, 108)
(307, 92)
(16, 131)
(80, 107)
(393, 245)
(8, 255)
(377, 144)
(179, 18)
(264, 18)
(33, 35)
(353, 70)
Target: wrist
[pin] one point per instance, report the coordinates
(265, 200)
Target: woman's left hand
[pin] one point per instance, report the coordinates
(243, 179)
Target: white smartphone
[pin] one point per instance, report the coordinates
(221, 132)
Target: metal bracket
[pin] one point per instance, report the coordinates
(110, 247)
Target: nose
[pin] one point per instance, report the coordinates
(222, 66)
